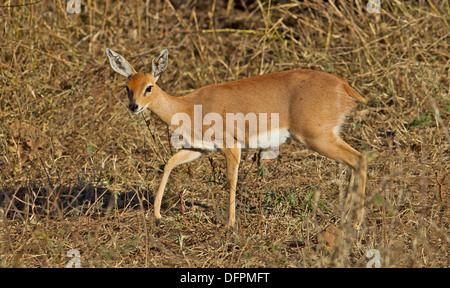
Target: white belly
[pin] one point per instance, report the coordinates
(269, 139)
(266, 140)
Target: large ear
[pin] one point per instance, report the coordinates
(119, 64)
(159, 63)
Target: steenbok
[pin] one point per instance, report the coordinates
(305, 105)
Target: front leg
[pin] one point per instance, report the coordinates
(233, 157)
(182, 156)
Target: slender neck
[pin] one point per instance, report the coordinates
(165, 106)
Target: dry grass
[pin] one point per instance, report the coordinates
(77, 170)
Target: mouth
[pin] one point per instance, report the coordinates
(137, 111)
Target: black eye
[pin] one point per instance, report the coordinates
(148, 89)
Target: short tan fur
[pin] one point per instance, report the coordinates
(311, 106)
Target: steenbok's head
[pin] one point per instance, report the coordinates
(140, 86)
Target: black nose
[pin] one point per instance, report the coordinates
(133, 107)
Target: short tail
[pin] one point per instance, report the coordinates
(352, 93)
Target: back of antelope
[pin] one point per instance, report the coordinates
(310, 106)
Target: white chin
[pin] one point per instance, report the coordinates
(138, 111)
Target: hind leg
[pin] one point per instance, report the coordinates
(335, 148)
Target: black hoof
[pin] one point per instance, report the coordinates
(158, 222)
